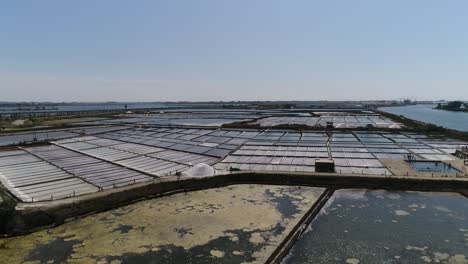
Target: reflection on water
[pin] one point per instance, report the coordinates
(358, 226)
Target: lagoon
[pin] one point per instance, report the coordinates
(426, 113)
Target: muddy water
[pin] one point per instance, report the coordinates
(361, 226)
(7, 207)
(241, 223)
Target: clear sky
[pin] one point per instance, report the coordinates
(196, 50)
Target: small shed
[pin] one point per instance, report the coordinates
(324, 165)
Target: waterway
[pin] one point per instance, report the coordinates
(426, 113)
(376, 226)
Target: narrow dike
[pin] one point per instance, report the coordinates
(330, 137)
(283, 249)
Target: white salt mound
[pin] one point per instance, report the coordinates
(199, 170)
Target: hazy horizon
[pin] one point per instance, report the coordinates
(155, 51)
(220, 101)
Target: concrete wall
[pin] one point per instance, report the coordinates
(28, 217)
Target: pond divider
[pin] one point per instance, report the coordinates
(29, 217)
(283, 249)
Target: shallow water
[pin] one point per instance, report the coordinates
(235, 224)
(359, 226)
(427, 114)
(432, 166)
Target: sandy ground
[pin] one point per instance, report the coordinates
(71, 120)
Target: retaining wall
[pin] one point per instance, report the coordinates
(28, 217)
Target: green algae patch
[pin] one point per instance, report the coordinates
(241, 223)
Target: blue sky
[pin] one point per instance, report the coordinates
(150, 50)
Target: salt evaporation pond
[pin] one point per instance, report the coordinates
(359, 226)
(234, 224)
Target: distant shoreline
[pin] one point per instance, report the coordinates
(452, 110)
(454, 106)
